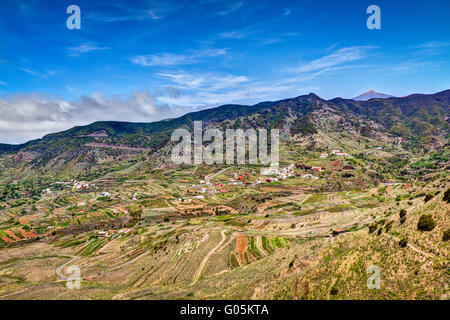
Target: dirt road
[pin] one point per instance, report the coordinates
(202, 265)
(58, 270)
(208, 182)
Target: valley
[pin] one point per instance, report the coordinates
(355, 188)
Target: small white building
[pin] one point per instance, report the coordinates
(310, 176)
(103, 234)
(339, 153)
(105, 194)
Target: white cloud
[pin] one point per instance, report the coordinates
(26, 116)
(204, 80)
(339, 57)
(43, 75)
(238, 34)
(171, 59)
(85, 48)
(431, 48)
(165, 59)
(208, 89)
(232, 8)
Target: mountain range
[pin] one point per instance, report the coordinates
(419, 120)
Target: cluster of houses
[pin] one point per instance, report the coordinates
(266, 180)
(80, 185)
(282, 173)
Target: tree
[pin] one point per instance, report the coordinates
(447, 196)
(403, 243)
(446, 235)
(426, 223)
(428, 197)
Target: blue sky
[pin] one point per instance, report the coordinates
(148, 60)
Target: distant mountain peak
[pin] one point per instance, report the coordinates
(372, 94)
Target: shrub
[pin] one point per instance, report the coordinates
(388, 226)
(428, 197)
(447, 196)
(403, 243)
(402, 213)
(380, 231)
(372, 227)
(426, 223)
(446, 235)
(334, 291)
(402, 220)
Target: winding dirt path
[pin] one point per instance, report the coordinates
(259, 245)
(58, 271)
(208, 182)
(202, 265)
(131, 261)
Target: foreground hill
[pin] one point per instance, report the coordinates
(413, 260)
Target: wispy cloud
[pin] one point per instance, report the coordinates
(35, 73)
(240, 33)
(85, 48)
(141, 15)
(432, 48)
(204, 80)
(170, 59)
(165, 59)
(339, 57)
(271, 41)
(232, 8)
(209, 90)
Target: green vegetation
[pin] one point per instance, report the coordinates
(403, 243)
(426, 223)
(266, 245)
(447, 196)
(446, 235)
